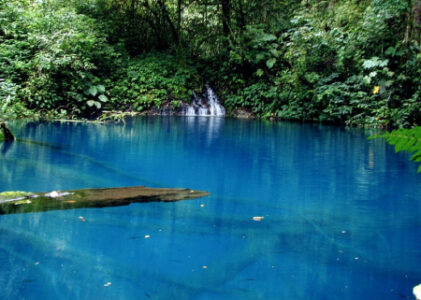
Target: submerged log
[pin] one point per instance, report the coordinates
(5, 134)
(20, 202)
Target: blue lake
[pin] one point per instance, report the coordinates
(341, 213)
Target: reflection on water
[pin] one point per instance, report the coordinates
(341, 213)
(211, 126)
(5, 147)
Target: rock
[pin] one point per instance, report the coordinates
(91, 198)
(243, 113)
(5, 134)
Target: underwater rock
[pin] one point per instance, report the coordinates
(16, 202)
(5, 134)
(417, 292)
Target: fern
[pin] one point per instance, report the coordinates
(405, 140)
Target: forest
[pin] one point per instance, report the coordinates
(210, 149)
(352, 62)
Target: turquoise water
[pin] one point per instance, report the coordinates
(341, 213)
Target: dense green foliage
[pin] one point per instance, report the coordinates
(151, 80)
(355, 62)
(52, 57)
(345, 63)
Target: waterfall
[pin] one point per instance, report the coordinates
(206, 104)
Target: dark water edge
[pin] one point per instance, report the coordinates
(341, 213)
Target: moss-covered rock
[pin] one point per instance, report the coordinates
(22, 202)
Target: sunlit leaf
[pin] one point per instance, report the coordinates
(270, 63)
(103, 98)
(92, 103)
(101, 88)
(93, 91)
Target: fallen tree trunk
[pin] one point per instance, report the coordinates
(20, 202)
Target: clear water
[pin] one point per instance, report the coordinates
(341, 213)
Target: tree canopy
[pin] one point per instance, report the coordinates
(355, 62)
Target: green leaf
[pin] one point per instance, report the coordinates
(259, 57)
(275, 52)
(103, 98)
(270, 63)
(259, 72)
(93, 91)
(265, 37)
(372, 74)
(390, 51)
(367, 79)
(94, 103)
(101, 88)
(374, 62)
